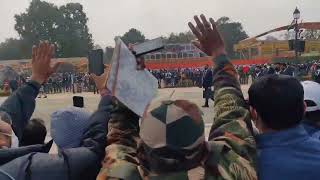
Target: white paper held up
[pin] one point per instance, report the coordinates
(134, 88)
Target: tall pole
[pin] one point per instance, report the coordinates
(296, 16)
(296, 29)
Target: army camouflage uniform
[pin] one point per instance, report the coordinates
(231, 145)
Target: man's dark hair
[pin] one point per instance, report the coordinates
(34, 133)
(278, 100)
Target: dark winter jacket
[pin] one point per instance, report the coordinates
(77, 163)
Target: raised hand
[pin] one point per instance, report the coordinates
(41, 62)
(101, 81)
(209, 38)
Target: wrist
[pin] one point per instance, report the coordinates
(37, 79)
(105, 92)
(218, 52)
(35, 85)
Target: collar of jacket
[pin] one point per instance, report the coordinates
(282, 138)
(312, 128)
(307, 122)
(10, 154)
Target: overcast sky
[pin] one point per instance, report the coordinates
(108, 18)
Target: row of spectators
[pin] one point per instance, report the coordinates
(188, 77)
(193, 76)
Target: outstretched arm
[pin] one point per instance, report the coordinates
(232, 147)
(20, 105)
(120, 161)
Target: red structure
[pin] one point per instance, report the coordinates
(197, 62)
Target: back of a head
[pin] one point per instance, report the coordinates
(34, 133)
(172, 137)
(68, 126)
(278, 100)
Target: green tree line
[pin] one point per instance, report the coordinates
(66, 27)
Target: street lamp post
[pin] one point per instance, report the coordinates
(296, 16)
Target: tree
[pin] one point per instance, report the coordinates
(75, 39)
(38, 23)
(108, 54)
(310, 34)
(232, 33)
(12, 49)
(66, 26)
(133, 36)
(183, 37)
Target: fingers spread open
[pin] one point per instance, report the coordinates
(213, 24)
(197, 44)
(34, 53)
(51, 51)
(195, 30)
(200, 25)
(205, 22)
(38, 54)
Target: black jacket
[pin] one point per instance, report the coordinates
(77, 163)
(207, 79)
(20, 106)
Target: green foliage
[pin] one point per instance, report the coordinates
(311, 34)
(65, 26)
(133, 36)
(183, 37)
(301, 59)
(108, 54)
(13, 49)
(75, 39)
(232, 33)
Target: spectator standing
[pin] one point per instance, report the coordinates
(207, 84)
(286, 151)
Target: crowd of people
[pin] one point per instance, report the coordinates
(274, 135)
(168, 78)
(56, 83)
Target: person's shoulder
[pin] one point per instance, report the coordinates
(120, 169)
(313, 143)
(228, 162)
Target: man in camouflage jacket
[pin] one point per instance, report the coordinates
(229, 152)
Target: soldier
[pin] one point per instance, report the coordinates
(170, 143)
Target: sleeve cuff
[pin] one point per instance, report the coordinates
(221, 60)
(35, 85)
(105, 101)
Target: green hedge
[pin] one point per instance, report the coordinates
(294, 60)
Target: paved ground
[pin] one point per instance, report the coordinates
(44, 107)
